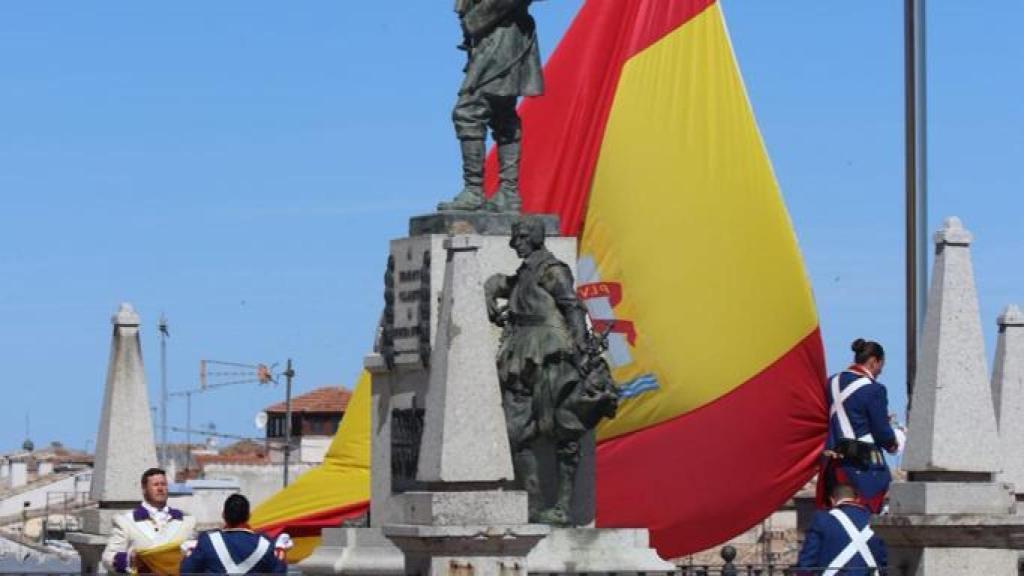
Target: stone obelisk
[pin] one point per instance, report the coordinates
(952, 417)
(952, 517)
(124, 442)
(1008, 393)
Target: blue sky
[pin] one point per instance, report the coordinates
(240, 166)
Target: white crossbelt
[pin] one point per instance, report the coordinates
(229, 564)
(839, 410)
(858, 544)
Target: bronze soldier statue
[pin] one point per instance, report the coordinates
(500, 39)
(555, 382)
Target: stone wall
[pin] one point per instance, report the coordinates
(256, 482)
(13, 503)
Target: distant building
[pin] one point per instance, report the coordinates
(257, 467)
(44, 486)
(315, 419)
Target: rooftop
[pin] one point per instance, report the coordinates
(204, 459)
(327, 399)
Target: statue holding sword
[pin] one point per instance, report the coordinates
(503, 63)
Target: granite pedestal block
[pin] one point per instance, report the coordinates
(621, 551)
(951, 498)
(952, 562)
(356, 552)
(485, 507)
(472, 550)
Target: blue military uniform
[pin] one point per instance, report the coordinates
(858, 428)
(233, 551)
(841, 542)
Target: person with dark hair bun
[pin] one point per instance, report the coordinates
(858, 429)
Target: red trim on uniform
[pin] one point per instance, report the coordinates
(706, 476)
(564, 128)
(861, 371)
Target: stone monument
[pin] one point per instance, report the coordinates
(1008, 393)
(462, 512)
(443, 500)
(124, 442)
(952, 517)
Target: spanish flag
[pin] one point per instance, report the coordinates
(326, 496)
(646, 145)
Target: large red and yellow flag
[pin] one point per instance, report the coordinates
(337, 490)
(646, 145)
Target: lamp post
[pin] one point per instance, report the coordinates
(916, 191)
(289, 373)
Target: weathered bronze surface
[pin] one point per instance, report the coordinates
(555, 382)
(503, 63)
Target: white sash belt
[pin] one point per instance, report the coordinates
(839, 410)
(858, 544)
(225, 557)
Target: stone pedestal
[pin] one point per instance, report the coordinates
(90, 549)
(597, 551)
(463, 516)
(952, 516)
(19, 474)
(401, 358)
(442, 477)
(355, 551)
(470, 550)
(124, 443)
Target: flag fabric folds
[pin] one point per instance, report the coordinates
(646, 145)
(162, 560)
(335, 491)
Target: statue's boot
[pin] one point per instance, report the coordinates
(558, 515)
(472, 196)
(525, 465)
(507, 198)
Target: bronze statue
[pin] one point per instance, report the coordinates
(555, 382)
(500, 39)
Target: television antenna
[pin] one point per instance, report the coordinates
(215, 374)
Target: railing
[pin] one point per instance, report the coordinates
(729, 567)
(773, 570)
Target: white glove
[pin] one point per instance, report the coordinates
(901, 439)
(284, 542)
(188, 546)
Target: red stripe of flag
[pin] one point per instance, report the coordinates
(563, 129)
(736, 464)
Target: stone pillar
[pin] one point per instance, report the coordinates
(19, 473)
(951, 507)
(952, 420)
(1008, 394)
(45, 468)
(124, 443)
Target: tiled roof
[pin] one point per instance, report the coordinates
(326, 399)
